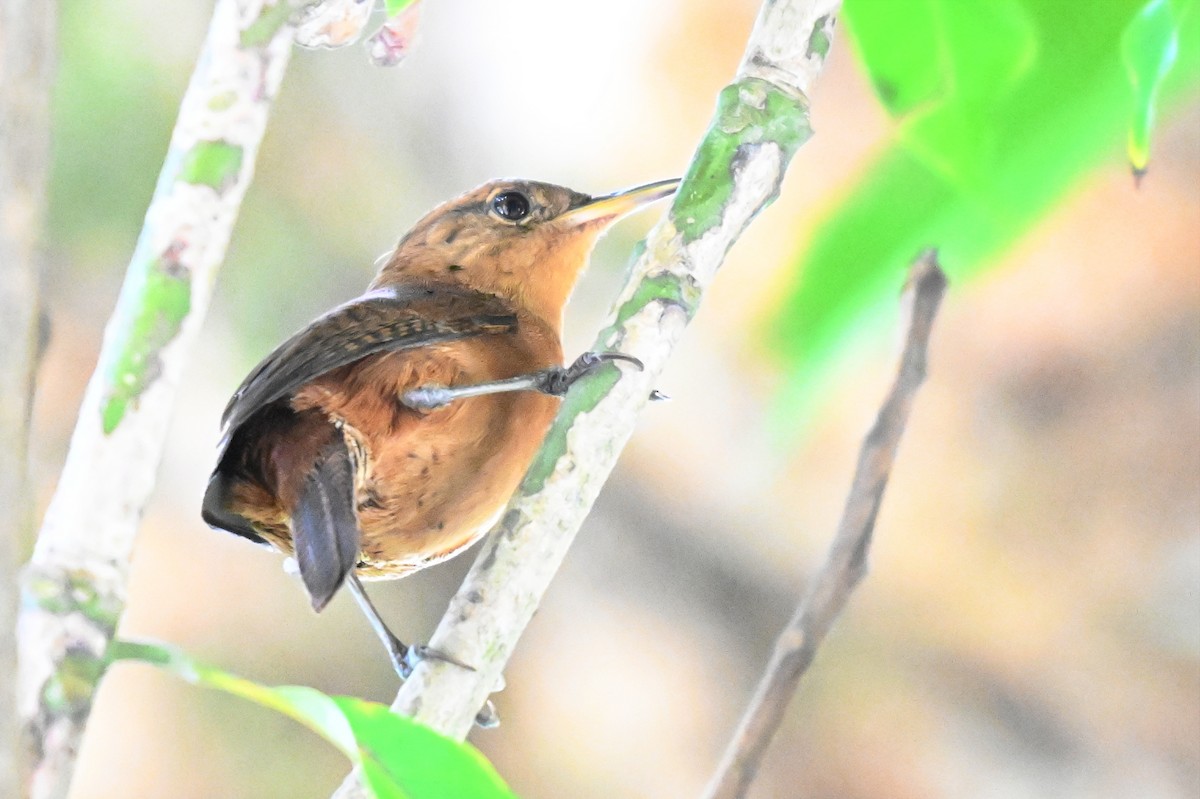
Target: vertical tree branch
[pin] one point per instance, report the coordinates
(74, 588)
(847, 562)
(761, 120)
(26, 69)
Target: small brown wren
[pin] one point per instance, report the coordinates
(389, 433)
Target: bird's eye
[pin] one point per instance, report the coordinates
(511, 205)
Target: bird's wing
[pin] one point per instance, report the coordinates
(384, 320)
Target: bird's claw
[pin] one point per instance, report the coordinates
(405, 658)
(556, 381)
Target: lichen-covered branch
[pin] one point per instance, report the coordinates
(761, 119)
(846, 565)
(26, 68)
(73, 590)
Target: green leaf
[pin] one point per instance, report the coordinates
(1149, 47)
(400, 758)
(1000, 107)
(394, 7)
(423, 763)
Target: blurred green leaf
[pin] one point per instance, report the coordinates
(1149, 46)
(400, 758)
(1000, 107)
(394, 7)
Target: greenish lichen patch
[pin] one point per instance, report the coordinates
(216, 164)
(62, 592)
(584, 396)
(750, 112)
(222, 101)
(821, 38)
(664, 287)
(269, 21)
(158, 304)
(70, 689)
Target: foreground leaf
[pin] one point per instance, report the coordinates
(400, 759)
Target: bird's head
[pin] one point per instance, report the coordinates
(524, 241)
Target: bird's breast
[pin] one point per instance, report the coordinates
(430, 483)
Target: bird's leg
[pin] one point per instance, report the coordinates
(554, 381)
(404, 657)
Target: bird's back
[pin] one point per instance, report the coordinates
(426, 484)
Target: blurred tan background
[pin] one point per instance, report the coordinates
(1031, 623)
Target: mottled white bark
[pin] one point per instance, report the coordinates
(762, 117)
(75, 585)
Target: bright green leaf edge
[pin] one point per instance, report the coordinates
(400, 759)
(394, 7)
(1149, 48)
(851, 272)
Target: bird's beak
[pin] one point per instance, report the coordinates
(610, 207)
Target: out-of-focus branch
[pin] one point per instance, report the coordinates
(336, 23)
(761, 120)
(847, 562)
(73, 590)
(26, 70)
(331, 23)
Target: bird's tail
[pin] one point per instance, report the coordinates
(324, 524)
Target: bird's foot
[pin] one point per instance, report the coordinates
(557, 380)
(405, 658)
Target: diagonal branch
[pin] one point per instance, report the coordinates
(761, 120)
(73, 590)
(847, 562)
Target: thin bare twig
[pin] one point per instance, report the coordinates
(847, 562)
(761, 120)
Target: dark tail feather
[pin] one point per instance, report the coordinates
(216, 512)
(324, 527)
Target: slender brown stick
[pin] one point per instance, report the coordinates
(847, 562)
